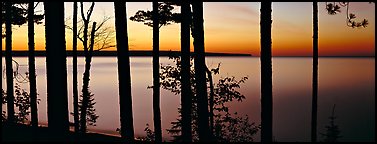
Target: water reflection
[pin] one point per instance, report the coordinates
(347, 82)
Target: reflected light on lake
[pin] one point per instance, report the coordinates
(347, 82)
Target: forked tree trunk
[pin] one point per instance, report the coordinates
(86, 79)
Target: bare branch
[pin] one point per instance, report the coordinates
(90, 11)
(105, 19)
(82, 11)
(36, 5)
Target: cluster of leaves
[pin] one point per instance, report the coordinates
(19, 15)
(165, 15)
(334, 8)
(235, 129)
(228, 127)
(21, 102)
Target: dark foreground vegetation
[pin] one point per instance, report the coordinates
(25, 133)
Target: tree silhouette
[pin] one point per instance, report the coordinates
(332, 130)
(16, 14)
(22, 103)
(19, 14)
(32, 75)
(228, 128)
(156, 70)
(86, 105)
(87, 98)
(57, 100)
(74, 71)
(100, 38)
(332, 9)
(165, 15)
(8, 61)
(315, 74)
(186, 95)
(266, 72)
(124, 74)
(157, 18)
(200, 72)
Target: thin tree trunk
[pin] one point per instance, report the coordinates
(211, 100)
(156, 73)
(32, 75)
(56, 68)
(86, 79)
(186, 95)
(200, 72)
(1, 61)
(266, 72)
(74, 71)
(315, 72)
(86, 75)
(8, 62)
(124, 73)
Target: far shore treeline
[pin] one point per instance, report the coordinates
(114, 53)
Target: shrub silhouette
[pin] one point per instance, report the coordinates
(229, 128)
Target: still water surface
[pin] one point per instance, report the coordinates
(347, 82)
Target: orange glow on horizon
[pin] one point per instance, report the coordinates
(235, 29)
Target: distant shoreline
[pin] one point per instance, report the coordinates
(165, 54)
(114, 53)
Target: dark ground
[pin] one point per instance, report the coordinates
(25, 133)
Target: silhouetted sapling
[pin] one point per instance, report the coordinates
(332, 130)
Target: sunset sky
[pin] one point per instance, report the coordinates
(234, 28)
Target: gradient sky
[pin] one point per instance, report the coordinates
(234, 28)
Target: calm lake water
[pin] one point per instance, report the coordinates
(347, 82)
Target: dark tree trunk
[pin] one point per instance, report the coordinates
(86, 75)
(200, 72)
(186, 95)
(315, 72)
(124, 74)
(156, 73)
(57, 99)
(8, 61)
(86, 79)
(211, 100)
(32, 75)
(1, 60)
(74, 70)
(266, 72)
